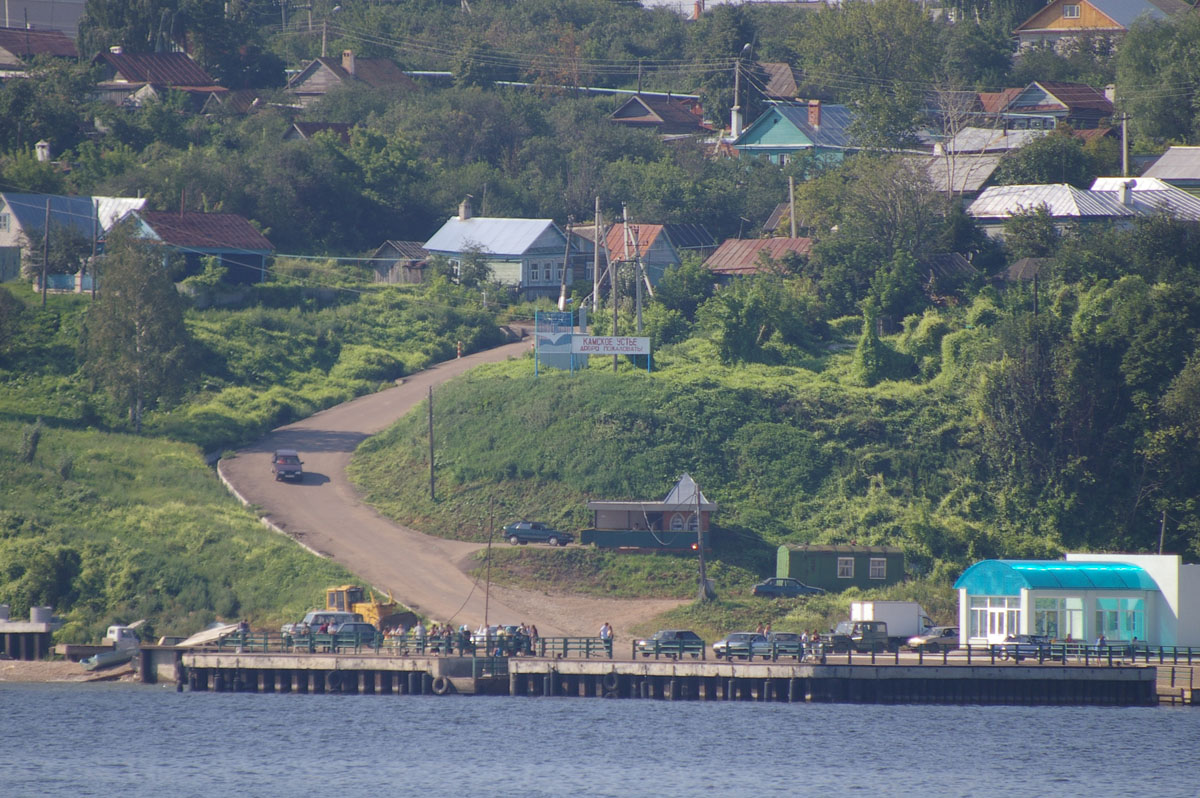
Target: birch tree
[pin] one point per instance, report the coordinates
(137, 344)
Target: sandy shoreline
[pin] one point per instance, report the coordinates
(15, 670)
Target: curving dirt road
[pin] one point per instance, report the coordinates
(325, 514)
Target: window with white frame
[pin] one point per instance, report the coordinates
(878, 568)
(1071, 12)
(4, 222)
(1058, 618)
(845, 567)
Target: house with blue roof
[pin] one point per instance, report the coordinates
(1148, 598)
(1063, 21)
(23, 220)
(785, 129)
(529, 255)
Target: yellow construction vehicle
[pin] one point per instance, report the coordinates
(382, 614)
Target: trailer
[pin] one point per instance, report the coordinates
(904, 619)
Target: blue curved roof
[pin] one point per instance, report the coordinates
(1008, 577)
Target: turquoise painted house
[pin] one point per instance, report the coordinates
(789, 128)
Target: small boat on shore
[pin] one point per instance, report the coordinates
(124, 646)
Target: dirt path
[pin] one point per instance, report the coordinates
(327, 515)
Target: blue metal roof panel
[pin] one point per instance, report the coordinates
(1124, 12)
(1008, 577)
(835, 122)
(65, 211)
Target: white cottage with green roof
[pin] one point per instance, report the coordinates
(1147, 598)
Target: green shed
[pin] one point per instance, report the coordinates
(837, 567)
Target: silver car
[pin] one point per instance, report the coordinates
(746, 645)
(938, 638)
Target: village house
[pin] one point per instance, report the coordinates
(23, 221)
(529, 255)
(676, 523)
(19, 46)
(739, 257)
(1110, 200)
(237, 244)
(1178, 166)
(322, 75)
(1063, 21)
(836, 567)
(400, 262)
(786, 129)
(660, 246)
(670, 116)
(137, 78)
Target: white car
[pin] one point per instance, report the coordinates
(937, 638)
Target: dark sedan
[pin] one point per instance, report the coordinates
(521, 532)
(780, 586)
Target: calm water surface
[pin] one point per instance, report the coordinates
(133, 740)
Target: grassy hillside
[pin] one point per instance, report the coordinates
(105, 526)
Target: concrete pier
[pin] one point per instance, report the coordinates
(664, 680)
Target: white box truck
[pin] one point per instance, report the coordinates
(903, 618)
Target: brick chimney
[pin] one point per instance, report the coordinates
(698, 9)
(464, 209)
(348, 61)
(814, 113)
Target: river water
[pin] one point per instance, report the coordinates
(134, 740)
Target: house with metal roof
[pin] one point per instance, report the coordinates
(136, 78)
(660, 246)
(672, 524)
(399, 262)
(240, 248)
(786, 129)
(667, 115)
(1150, 598)
(19, 46)
(738, 257)
(1111, 200)
(1063, 21)
(23, 221)
(529, 255)
(1178, 166)
(322, 75)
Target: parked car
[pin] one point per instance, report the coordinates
(744, 645)
(1018, 647)
(672, 643)
(315, 619)
(936, 638)
(364, 630)
(535, 531)
(778, 586)
(286, 464)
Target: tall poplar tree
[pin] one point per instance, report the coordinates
(137, 345)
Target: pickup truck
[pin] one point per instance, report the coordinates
(859, 636)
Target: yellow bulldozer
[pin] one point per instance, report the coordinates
(382, 614)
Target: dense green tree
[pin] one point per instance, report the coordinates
(1031, 233)
(136, 343)
(685, 288)
(1055, 158)
(52, 103)
(1156, 78)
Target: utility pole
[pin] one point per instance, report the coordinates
(704, 594)
(792, 202)
(324, 33)
(46, 252)
(432, 496)
(638, 277)
(612, 277)
(487, 591)
(1124, 144)
(562, 282)
(596, 262)
(1162, 531)
(95, 231)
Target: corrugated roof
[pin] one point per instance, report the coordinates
(1061, 201)
(643, 234)
(781, 80)
(667, 115)
(1177, 163)
(401, 250)
(168, 69)
(1151, 195)
(688, 235)
(110, 210)
(843, 548)
(986, 139)
(737, 256)
(964, 173)
(1009, 577)
(1124, 12)
(215, 231)
(65, 211)
(493, 235)
(831, 132)
(1025, 269)
(1078, 96)
(993, 102)
(23, 42)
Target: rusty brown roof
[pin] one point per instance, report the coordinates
(737, 256)
(211, 231)
(22, 42)
(670, 115)
(645, 237)
(166, 69)
(375, 72)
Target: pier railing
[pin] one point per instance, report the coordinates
(457, 644)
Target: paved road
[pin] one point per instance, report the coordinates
(425, 573)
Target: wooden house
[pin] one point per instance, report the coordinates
(667, 115)
(137, 78)
(836, 567)
(787, 129)
(236, 243)
(400, 262)
(677, 522)
(1065, 20)
(739, 257)
(322, 75)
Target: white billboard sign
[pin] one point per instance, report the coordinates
(609, 345)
